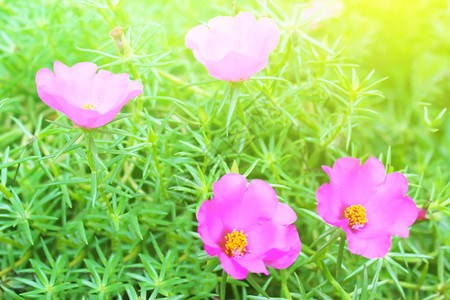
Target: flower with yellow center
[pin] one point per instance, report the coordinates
(235, 243)
(247, 228)
(384, 208)
(356, 216)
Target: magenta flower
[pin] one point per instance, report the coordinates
(247, 228)
(87, 98)
(234, 49)
(367, 204)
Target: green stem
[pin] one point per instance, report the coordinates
(90, 150)
(138, 102)
(233, 100)
(159, 169)
(132, 254)
(340, 254)
(352, 99)
(332, 280)
(409, 285)
(284, 286)
(206, 157)
(78, 258)
(223, 285)
(338, 129)
(180, 82)
(110, 5)
(18, 263)
(5, 192)
(235, 292)
(256, 286)
(133, 70)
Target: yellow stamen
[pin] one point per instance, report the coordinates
(235, 243)
(89, 106)
(356, 216)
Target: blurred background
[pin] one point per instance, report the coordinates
(321, 107)
(406, 41)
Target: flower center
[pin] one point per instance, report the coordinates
(356, 216)
(89, 106)
(235, 243)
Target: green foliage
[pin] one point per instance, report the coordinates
(110, 212)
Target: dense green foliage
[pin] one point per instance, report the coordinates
(110, 213)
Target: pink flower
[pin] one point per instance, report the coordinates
(367, 204)
(87, 98)
(247, 228)
(234, 49)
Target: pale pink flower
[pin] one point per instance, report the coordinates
(88, 98)
(247, 228)
(367, 204)
(234, 49)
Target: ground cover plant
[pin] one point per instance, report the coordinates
(95, 205)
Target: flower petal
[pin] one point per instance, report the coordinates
(254, 266)
(284, 214)
(268, 236)
(233, 49)
(269, 35)
(210, 226)
(196, 37)
(47, 88)
(258, 203)
(278, 261)
(70, 90)
(82, 76)
(112, 92)
(81, 117)
(236, 66)
(389, 210)
(249, 41)
(330, 205)
(232, 267)
(134, 89)
(229, 189)
(212, 251)
(62, 72)
(223, 37)
(353, 182)
(375, 247)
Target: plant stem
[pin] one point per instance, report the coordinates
(91, 151)
(284, 286)
(180, 82)
(223, 285)
(138, 102)
(133, 253)
(78, 258)
(341, 124)
(340, 254)
(256, 286)
(5, 191)
(332, 280)
(18, 263)
(159, 169)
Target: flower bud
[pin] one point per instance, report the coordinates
(122, 45)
